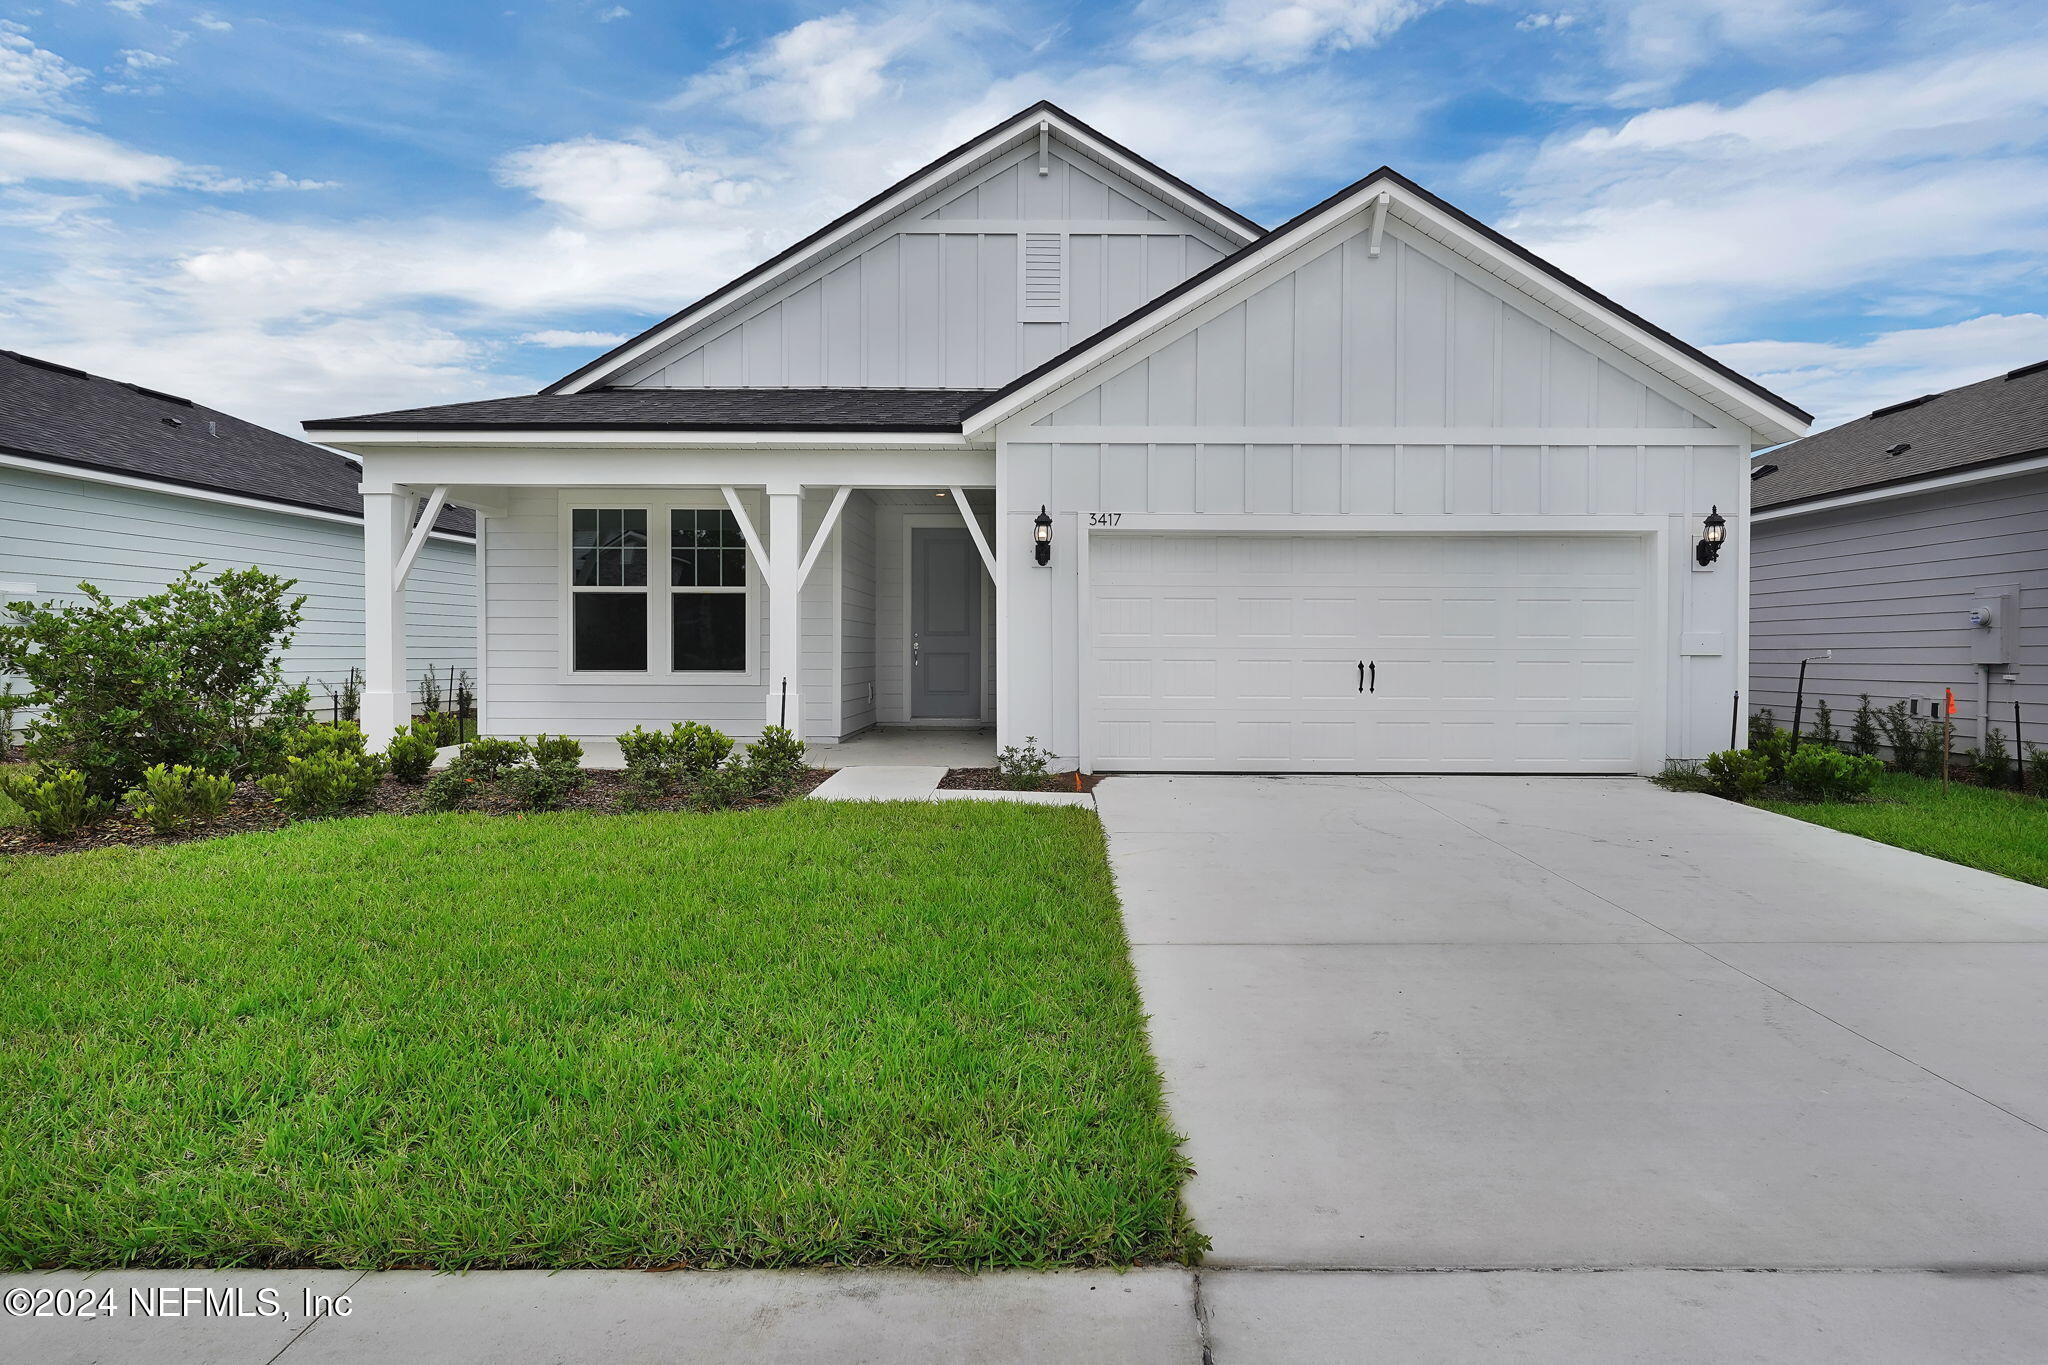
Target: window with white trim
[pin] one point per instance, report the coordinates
(707, 591)
(608, 589)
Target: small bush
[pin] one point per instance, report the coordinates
(57, 802)
(1932, 758)
(555, 749)
(723, 787)
(1863, 736)
(698, 750)
(642, 790)
(342, 737)
(1821, 774)
(1823, 732)
(1774, 748)
(410, 756)
(1682, 775)
(542, 785)
(325, 783)
(449, 789)
(170, 798)
(439, 727)
(775, 762)
(1023, 768)
(1993, 763)
(486, 759)
(2037, 770)
(1737, 774)
(10, 702)
(1761, 723)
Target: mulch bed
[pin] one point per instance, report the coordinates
(252, 810)
(985, 780)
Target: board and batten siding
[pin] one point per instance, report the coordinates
(1888, 587)
(1334, 385)
(932, 297)
(57, 531)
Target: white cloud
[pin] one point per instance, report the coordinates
(30, 76)
(42, 149)
(133, 8)
(603, 341)
(603, 183)
(1272, 33)
(1652, 43)
(822, 71)
(1839, 381)
(212, 22)
(1918, 178)
(612, 15)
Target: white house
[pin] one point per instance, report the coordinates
(1376, 490)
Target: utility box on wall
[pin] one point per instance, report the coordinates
(1994, 625)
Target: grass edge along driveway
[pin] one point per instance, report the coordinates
(1996, 830)
(822, 1034)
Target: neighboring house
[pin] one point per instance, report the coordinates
(1913, 544)
(1377, 490)
(124, 487)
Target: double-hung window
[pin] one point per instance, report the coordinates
(608, 588)
(707, 591)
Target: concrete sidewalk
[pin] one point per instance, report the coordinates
(1144, 1317)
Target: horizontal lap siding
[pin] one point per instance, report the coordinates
(1888, 588)
(56, 532)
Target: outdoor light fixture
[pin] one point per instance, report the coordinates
(1041, 536)
(1709, 548)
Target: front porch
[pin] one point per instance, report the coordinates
(863, 616)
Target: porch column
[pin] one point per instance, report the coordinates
(785, 606)
(387, 702)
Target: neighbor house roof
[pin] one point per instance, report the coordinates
(923, 182)
(905, 410)
(62, 416)
(1993, 420)
(1416, 205)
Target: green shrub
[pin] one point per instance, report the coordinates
(342, 737)
(1774, 748)
(1933, 757)
(1023, 768)
(2037, 770)
(439, 727)
(187, 675)
(1682, 775)
(171, 798)
(326, 782)
(555, 749)
(449, 789)
(775, 762)
(58, 801)
(1761, 723)
(1821, 774)
(1863, 737)
(1993, 763)
(1901, 734)
(1737, 774)
(722, 787)
(1823, 731)
(10, 702)
(486, 759)
(410, 756)
(541, 786)
(698, 750)
(642, 790)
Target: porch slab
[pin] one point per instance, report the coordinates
(880, 784)
(908, 746)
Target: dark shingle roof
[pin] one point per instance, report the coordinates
(2002, 418)
(906, 410)
(64, 416)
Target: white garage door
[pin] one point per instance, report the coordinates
(1269, 653)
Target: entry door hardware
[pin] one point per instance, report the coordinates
(916, 648)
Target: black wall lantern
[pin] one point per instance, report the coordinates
(1709, 548)
(1041, 536)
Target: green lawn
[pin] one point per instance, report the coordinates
(817, 1034)
(1999, 831)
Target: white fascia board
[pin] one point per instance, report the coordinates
(1934, 483)
(1768, 424)
(787, 471)
(901, 198)
(380, 441)
(178, 490)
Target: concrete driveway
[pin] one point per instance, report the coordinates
(1530, 1023)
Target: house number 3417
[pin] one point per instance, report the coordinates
(1104, 518)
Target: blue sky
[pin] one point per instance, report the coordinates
(302, 210)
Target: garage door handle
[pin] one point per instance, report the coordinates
(1373, 669)
(1368, 674)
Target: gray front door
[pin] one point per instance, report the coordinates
(945, 624)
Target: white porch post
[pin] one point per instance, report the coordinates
(785, 606)
(387, 703)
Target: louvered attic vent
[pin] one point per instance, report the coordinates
(1042, 277)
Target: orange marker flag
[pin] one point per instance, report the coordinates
(1951, 699)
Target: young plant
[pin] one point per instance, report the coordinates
(169, 799)
(410, 755)
(58, 802)
(1863, 736)
(1993, 762)
(542, 785)
(2037, 770)
(344, 737)
(1737, 774)
(1774, 749)
(430, 692)
(449, 789)
(554, 749)
(775, 762)
(10, 702)
(1761, 724)
(486, 758)
(722, 787)
(1682, 775)
(187, 675)
(465, 697)
(1821, 774)
(326, 782)
(1823, 731)
(1023, 768)
(698, 750)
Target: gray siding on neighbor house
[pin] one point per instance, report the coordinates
(56, 531)
(1888, 586)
